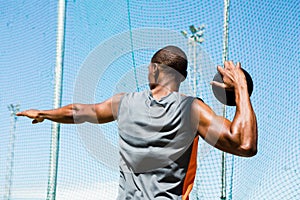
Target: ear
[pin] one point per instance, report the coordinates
(184, 75)
(153, 69)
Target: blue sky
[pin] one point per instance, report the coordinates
(263, 36)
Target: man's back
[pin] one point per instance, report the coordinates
(158, 146)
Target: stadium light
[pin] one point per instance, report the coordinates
(184, 33)
(196, 33)
(193, 29)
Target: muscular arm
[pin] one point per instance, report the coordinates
(78, 113)
(238, 137)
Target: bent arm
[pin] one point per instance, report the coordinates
(238, 137)
(78, 113)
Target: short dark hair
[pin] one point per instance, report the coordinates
(173, 57)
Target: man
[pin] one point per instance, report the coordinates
(159, 128)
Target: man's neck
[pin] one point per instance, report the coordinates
(159, 91)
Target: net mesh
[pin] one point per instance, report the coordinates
(272, 28)
(27, 62)
(108, 45)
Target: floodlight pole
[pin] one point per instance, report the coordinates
(224, 58)
(195, 66)
(10, 159)
(195, 37)
(55, 128)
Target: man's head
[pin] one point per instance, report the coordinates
(170, 62)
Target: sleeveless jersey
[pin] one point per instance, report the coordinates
(158, 147)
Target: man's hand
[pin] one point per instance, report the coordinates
(33, 114)
(233, 76)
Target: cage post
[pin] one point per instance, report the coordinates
(55, 128)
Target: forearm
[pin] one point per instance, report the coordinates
(68, 114)
(244, 125)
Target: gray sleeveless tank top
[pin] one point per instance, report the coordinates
(158, 146)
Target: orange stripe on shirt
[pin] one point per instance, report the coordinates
(191, 172)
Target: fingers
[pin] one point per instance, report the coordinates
(221, 70)
(28, 113)
(218, 84)
(35, 121)
(31, 114)
(230, 74)
(228, 65)
(20, 113)
(25, 113)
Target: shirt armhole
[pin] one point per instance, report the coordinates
(119, 106)
(199, 99)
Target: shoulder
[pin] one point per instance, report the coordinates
(200, 108)
(115, 103)
(127, 98)
(117, 98)
(191, 97)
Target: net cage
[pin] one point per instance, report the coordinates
(107, 48)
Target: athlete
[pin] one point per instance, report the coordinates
(159, 128)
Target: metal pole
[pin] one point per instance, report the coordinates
(193, 39)
(55, 128)
(190, 46)
(224, 58)
(195, 67)
(10, 160)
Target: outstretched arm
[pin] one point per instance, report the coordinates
(238, 137)
(78, 113)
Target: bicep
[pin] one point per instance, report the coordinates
(107, 111)
(214, 129)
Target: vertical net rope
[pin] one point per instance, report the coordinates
(132, 48)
